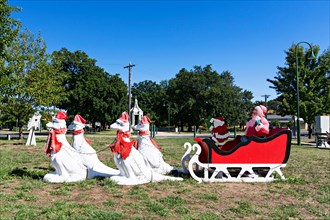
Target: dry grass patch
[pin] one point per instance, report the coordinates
(23, 195)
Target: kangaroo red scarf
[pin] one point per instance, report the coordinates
(79, 132)
(145, 133)
(121, 146)
(52, 143)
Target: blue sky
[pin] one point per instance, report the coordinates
(247, 38)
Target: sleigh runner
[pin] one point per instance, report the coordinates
(254, 160)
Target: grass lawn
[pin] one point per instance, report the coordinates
(304, 195)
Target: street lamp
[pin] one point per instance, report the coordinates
(297, 74)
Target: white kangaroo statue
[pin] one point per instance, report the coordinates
(130, 162)
(66, 160)
(87, 154)
(149, 148)
(34, 124)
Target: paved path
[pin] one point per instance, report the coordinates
(160, 134)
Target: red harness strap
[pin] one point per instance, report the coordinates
(121, 146)
(52, 143)
(79, 132)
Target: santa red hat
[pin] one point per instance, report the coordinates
(79, 120)
(261, 110)
(216, 122)
(124, 117)
(145, 120)
(61, 116)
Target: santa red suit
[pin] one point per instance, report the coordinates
(220, 135)
(258, 125)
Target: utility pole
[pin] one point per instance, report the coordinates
(266, 97)
(129, 85)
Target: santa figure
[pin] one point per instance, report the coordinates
(258, 124)
(220, 133)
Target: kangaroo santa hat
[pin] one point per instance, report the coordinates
(60, 117)
(79, 120)
(145, 120)
(123, 118)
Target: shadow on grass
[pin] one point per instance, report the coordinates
(36, 173)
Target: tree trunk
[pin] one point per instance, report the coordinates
(103, 127)
(310, 131)
(20, 129)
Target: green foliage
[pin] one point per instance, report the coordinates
(172, 201)
(9, 28)
(29, 79)
(138, 193)
(157, 208)
(191, 96)
(150, 96)
(285, 212)
(275, 123)
(244, 208)
(273, 106)
(314, 86)
(207, 196)
(106, 215)
(203, 92)
(93, 93)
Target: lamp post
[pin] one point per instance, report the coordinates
(297, 76)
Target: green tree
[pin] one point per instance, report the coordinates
(314, 84)
(232, 102)
(93, 93)
(246, 106)
(9, 27)
(273, 105)
(150, 96)
(30, 80)
(202, 92)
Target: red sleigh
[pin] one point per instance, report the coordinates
(254, 160)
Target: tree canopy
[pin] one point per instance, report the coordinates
(193, 95)
(9, 27)
(150, 96)
(30, 79)
(202, 92)
(92, 92)
(314, 87)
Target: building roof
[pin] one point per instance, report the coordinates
(285, 118)
(136, 109)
